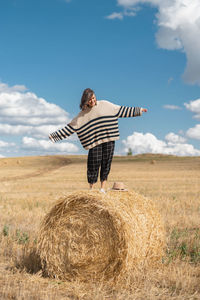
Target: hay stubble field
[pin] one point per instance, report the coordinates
(30, 186)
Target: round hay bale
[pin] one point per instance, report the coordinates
(153, 162)
(90, 236)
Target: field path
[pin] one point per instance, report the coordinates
(40, 165)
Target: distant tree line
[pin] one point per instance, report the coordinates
(130, 152)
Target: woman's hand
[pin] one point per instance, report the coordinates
(144, 110)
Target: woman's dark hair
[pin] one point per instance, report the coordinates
(87, 94)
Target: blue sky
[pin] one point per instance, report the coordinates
(130, 52)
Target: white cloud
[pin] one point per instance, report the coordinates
(148, 143)
(19, 107)
(115, 15)
(130, 12)
(179, 28)
(34, 131)
(4, 88)
(6, 145)
(127, 12)
(7, 129)
(174, 138)
(194, 133)
(170, 80)
(142, 143)
(194, 106)
(46, 146)
(131, 3)
(23, 113)
(172, 107)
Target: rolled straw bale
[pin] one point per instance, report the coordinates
(90, 235)
(153, 162)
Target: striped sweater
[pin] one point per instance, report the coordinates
(96, 125)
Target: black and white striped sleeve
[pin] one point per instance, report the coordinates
(61, 133)
(127, 112)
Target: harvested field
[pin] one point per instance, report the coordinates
(30, 187)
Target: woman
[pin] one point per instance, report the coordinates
(97, 128)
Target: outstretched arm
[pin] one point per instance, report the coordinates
(127, 112)
(61, 133)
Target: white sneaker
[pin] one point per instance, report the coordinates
(102, 191)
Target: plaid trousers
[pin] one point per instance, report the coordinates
(101, 155)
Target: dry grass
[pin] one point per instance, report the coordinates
(29, 187)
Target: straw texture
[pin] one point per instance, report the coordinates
(90, 236)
